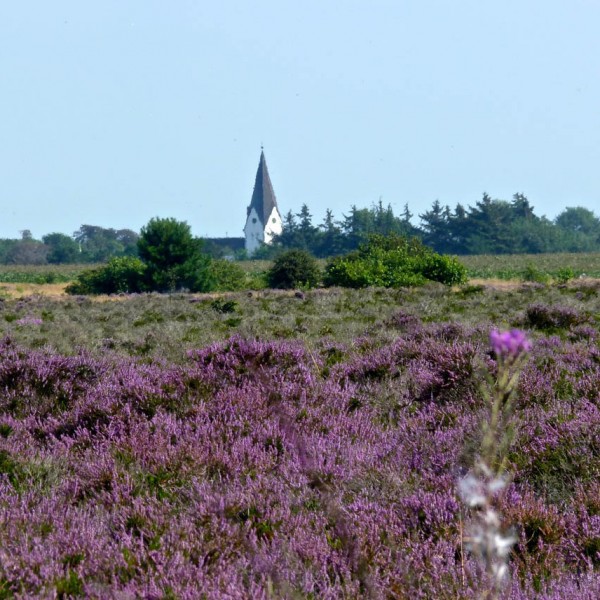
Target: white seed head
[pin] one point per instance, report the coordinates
(471, 491)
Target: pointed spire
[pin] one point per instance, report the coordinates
(263, 197)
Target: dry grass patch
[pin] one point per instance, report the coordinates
(19, 290)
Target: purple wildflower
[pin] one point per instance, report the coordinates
(29, 321)
(509, 344)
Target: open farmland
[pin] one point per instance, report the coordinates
(282, 445)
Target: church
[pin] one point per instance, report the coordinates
(263, 219)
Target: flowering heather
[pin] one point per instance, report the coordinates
(509, 344)
(281, 469)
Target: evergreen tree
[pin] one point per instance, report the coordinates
(458, 227)
(406, 228)
(357, 226)
(436, 228)
(174, 258)
(331, 237)
(406, 215)
(384, 221)
(489, 227)
(288, 236)
(521, 207)
(307, 234)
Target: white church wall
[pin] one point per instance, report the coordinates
(274, 226)
(254, 232)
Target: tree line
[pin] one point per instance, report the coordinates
(491, 226)
(89, 244)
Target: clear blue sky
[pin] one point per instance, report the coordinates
(115, 111)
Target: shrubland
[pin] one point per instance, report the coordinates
(393, 261)
(540, 268)
(281, 445)
(168, 258)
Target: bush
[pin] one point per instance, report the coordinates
(170, 258)
(174, 258)
(292, 269)
(393, 261)
(552, 318)
(227, 276)
(443, 269)
(564, 274)
(119, 275)
(533, 274)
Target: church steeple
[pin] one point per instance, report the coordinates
(263, 197)
(263, 217)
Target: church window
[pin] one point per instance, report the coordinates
(254, 220)
(274, 220)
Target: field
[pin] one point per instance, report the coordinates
(532, 267)
(274, 444)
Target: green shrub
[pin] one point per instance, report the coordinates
(565, 274)
(443, 269)
(120, 275)
(535, 275)
(227, 276)
(393, 261)
(224, 306)
(292, 269)
(174, 258)
(170, 259)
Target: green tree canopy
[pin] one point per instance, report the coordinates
(173, 256)
(26, 251)
(98, 244)
(580, 220)
(61, 248)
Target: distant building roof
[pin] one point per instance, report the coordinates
(263, 197)
(233, 243)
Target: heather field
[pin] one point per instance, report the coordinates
(293, 445)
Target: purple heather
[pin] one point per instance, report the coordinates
(509, 344)
(251, 471)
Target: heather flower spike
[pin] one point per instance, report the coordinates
(480, 489)
(509, 344)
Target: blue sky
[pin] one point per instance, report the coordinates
(116, 111)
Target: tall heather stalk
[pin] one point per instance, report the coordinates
(481, 487)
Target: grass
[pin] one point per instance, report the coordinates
(524, 266)
(169, 325)
(40, 274)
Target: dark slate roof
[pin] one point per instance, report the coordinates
(233, 243)
(263, 197)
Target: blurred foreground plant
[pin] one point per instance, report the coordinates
(481, 487)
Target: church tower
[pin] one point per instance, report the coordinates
(263, 219)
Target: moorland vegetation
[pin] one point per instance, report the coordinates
(171, 259)
(284, 445)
